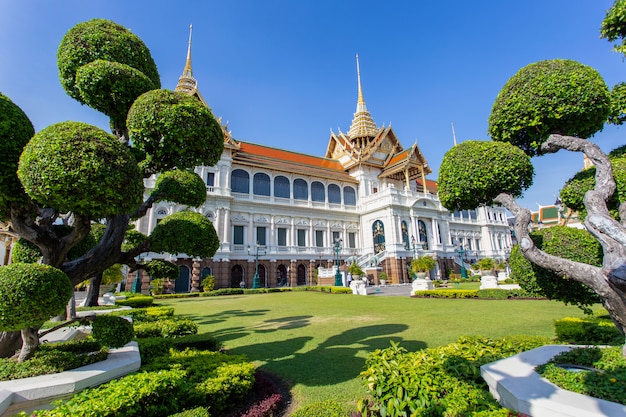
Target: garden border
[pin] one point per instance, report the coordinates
(515, 384)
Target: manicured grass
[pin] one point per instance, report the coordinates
(317, 342)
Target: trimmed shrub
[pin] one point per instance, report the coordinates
(53, 358)
(112, 331)
(438, 381)
(204, 341)
(142, 394)
(30, 294)
(223, 291)
(587, 331)
(146, 314)
(208, 283)
(328, 408)
(136, 302)
(216, 379)
(446, 293)
(173, 327)
(194, 412)
(153, 347)
(605, 378)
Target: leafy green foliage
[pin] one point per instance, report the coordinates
(553, 96)
(100, 39)
(15, 132)
(25, 252)
(30, 294)
(573, 192)
(607, 381)
(174, 130)
(475, 172)
(112, 331)
(436, 381)
(614, 26)
(618, 104)
(565, 242)
(111, 87)
(328, 408)
(146, 313)
(171, 327)
(155, 393)
(53, 358)
(185, 232)
(77, 167)
(587, 331)
(423, 263)
(161, 269)
(217, 380)
(182, 187)
(136, 302)
(208, 283)
(194, 412)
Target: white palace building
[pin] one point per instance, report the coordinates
(283, 214)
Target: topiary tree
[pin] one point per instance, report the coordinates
(161, 271)
(546, 107)
(29, 295)
(566, 242)
(80, 173)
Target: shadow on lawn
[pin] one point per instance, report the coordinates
(332, 361)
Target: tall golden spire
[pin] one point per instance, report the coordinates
(186, 82)
(363, 125)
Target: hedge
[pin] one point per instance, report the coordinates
(587, 331)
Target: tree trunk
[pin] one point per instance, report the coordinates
(10, 342)
(30, 341)
(93, 291)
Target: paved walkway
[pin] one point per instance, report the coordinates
(403, 290)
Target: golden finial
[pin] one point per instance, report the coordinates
(358, 76)
(187, 71)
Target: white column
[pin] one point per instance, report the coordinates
(226, 229)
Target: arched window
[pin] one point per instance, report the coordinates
(261, 184)
(378, 233)
(301, 274)
(236, 276)
(281, 187)
(262, 275)
(240, 181)
(423, 235)
(281, 276)
(206, 271)
(405, 235)
(334, 194)
(182, 282)
(349, 196)
(318, 192)
(300, 189)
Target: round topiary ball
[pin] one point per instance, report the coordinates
(77, 167)
(112, 331)
(30, 294)
(185, 232)
(182, 187)
(15, 132)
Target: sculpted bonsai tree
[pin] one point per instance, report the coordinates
(547, 107)
(88, 177)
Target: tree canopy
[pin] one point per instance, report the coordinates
(93, 180)
(547, 107)
(547, 97)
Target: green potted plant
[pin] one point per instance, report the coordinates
(486, 265)
(382, 278)
(422, 265)
(355, 270)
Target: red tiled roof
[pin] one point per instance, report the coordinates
(272, 158)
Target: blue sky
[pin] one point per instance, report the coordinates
(283, 73)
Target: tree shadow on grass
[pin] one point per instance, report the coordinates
(337, 359)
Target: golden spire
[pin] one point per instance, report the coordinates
(186, 82)
(187, 70)
(363, 125)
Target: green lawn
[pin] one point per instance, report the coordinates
(318, 342)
